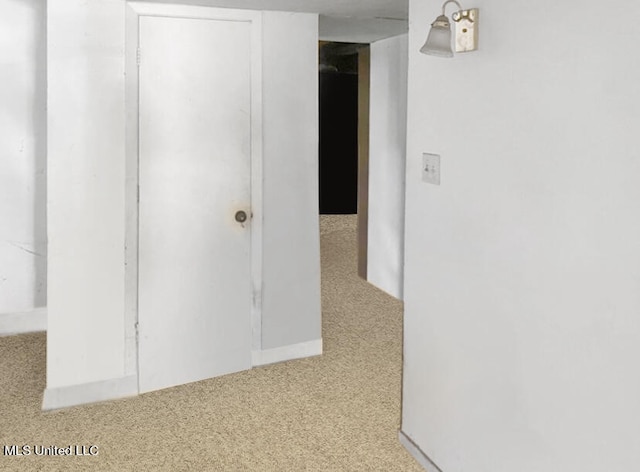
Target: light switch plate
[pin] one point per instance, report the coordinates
(431, 168)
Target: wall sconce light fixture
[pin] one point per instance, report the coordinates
(439, 40)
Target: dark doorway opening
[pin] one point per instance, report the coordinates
(338, 151)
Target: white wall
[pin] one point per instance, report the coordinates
(87, 328)
(352, 29)
(86, 177)
(387, 149)
(291, 233)
(522, 270)
(23, 248)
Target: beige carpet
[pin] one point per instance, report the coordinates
(337, 412)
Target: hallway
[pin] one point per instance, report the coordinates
(338, 412)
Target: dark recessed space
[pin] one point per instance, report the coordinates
(338, 151)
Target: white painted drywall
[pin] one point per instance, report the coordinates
(387, 149)
(352, 29)
(86, 340)
(522, 269)
(291, 244)
(23, 248)
(86, 177)
(386, 9)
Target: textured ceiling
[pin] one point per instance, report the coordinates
(396, 9)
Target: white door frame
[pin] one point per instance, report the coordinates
(134, 10)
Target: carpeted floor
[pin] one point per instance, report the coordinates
(337, 412)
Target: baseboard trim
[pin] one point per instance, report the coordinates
(287, 353)
(113, 389)
(417, 453)
(24, 322)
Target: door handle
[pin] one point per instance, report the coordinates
(241, 216)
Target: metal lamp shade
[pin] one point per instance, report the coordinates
(439, 40)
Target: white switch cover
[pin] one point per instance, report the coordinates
(431, 168)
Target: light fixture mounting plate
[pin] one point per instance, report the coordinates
(466, 30)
